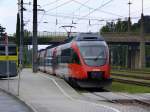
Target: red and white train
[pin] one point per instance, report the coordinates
(83, 59)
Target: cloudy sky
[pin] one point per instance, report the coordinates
(66, 11)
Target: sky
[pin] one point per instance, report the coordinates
(98, 12)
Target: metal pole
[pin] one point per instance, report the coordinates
(7, 67)
(21, 36)
(34, 40)
(142, 42)
(7, 63)
(142, 6)
(20, 10)
(129, 19)
(19, 81)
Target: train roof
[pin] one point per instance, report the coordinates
(52, 46)
(41, 50)
(80, 37)
(89, 37)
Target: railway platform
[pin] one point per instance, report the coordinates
(45, 93)
(9, 103)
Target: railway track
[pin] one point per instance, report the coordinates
(142, 100)
(132, 79)
(119, 98)
(130, 71)
(132, 76)
(122, 80)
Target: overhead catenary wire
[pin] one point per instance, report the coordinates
(61, 15)
(98, 7)
(65, 3)
(87, 18)
(62, 23)
(88, 7)
(82, 18)
(80, 6)
(92, 8)
(76, 18)
(51, 3)
(41, 19)
(84, 6)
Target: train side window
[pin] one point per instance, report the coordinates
(12, 50)
(75, 58)
(48, 61)
(48, 54)
(48, 58)
(59, 59)
(66, 55)
(2, 50)
(66, 52)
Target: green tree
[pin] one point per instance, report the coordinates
(27, 33)
(2, 31)
(122, 26)
(135, 27)
(110, 27)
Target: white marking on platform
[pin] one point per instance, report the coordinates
(82, 101)
(92, 96)
(112, 96)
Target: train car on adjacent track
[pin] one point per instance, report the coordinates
(83, 59)
(41, 60)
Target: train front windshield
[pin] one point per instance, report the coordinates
(93, 55)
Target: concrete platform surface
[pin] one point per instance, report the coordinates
(11, 104)
(48, 94)
(45, 93)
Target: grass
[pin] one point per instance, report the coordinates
(142, 71)
(129, 88)
(146, 74)
(131, 79)
(28, 66)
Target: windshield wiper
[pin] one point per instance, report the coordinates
(97, 57)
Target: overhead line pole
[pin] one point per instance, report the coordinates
(142, 43)
(20, 42)
(21, 36)
(34, 37)
(129, 19)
